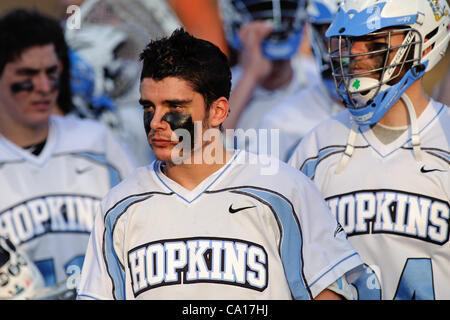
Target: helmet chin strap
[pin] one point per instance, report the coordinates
(350, 147)
(415, 137)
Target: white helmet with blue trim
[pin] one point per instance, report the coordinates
(321, 14)
(288, 17)
(369, 94)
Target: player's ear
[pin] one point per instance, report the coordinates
(218, 112)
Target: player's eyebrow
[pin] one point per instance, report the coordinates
(26, 71)
(177, 101)
(144, 102)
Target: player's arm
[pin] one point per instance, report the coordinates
(329, 258)
(328, 295)
(255, 67)
(338, 290)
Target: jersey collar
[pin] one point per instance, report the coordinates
(14, 153)
(190, 196)
(428, 116)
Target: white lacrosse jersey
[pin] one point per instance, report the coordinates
(297, 115)
(48, 202)
(394, 208)
(238, 235)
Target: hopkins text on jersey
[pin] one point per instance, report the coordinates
(394, 212)
(195, 260)
(52, 213)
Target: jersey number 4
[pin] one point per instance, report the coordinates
(416, 282)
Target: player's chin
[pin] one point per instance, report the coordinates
(38, 119)
(163, 152)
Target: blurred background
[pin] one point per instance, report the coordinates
(105, 49)
(104, 53)
(200, 17)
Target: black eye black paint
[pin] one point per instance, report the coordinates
(28, 86)
(147, 119)
(176, 120)
(17, 87)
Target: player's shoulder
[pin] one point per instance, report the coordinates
(267, 172)
(440, 111)
(138, 184)
(331, 131)
(78, 124)
(80, 134)
(339, 121)
(74, 127)
(328, 134)
(436, 123)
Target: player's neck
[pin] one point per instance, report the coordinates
(398, 114)
(190, 175)
(22, 135)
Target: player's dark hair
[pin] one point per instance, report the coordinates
(21, 29)
(197, 61)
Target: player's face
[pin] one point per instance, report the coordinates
(365, 63)
(29, 87)
(170, 104)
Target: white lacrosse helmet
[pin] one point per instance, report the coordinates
(112, 34)
(320, 15)
(371, 93)
(19, 277)
(322, 11)
(288, 17)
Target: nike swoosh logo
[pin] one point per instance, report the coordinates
(83, 170)
(231, 210)
(423, 170)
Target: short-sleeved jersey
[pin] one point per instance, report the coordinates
(393, 207)
(238, 235)
(48, 202)
(299, 114)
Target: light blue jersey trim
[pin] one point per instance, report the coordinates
(203, 191)
(114, 175)
(440, 154)
(115, 270)
(334, 266)
(291, 241)
(87, 296)
(310, 165)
